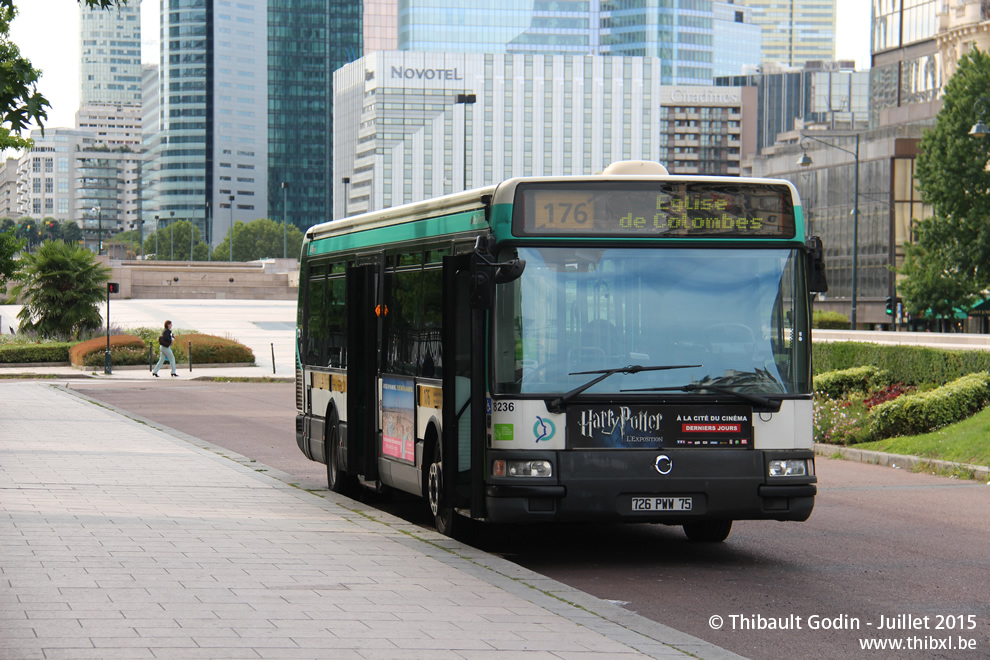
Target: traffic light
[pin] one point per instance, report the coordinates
(113, 287)
(890, 306)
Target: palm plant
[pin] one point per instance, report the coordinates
(62, 286)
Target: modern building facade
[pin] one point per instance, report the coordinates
(737, 41)
(796, 31)
(307, 41)
(411, 126)
(907, 74)
(706, 130)
(210, 155)
(110, 55)
(830, 95)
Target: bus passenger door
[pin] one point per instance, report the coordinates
(362, 370)
(457, 375)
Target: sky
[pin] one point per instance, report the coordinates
(47, 32)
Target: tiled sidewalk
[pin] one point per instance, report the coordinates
(118, 540)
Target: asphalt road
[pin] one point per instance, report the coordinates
(882, 547)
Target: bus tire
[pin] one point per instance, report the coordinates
(708, 531)
(443, 513)
(338, 481)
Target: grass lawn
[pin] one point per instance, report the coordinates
(967, 441)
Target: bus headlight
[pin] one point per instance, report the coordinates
(788, 468)
(515, 468)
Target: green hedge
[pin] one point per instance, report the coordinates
(912, 365)
(22, 353)
(836, 384)
(928, 411)
(206, 349)
(829, 320)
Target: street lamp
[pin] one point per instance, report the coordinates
(99, 235)
(285, 214)
(805, 161)
(466, 100)
(231, 232)
(346, 181)
(980, 109)
(156, 238)
(171, 239)
(207, 226)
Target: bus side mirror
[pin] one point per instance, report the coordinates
(817, 282)
(510, 271)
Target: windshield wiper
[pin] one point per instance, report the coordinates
(773, 405)
(557, 405)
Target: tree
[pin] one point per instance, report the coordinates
(20, 101)
(953, 178)
(259, 239)
(173, 243)
(10, 245)
(62, 286)
(71, 232)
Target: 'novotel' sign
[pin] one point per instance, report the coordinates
(411, 73)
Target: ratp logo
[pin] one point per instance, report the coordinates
(544, 429)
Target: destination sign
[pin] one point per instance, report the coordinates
(658, 209)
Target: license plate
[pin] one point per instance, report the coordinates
(661, 503)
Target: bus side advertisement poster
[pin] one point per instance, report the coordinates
(659, 427)
(399, 419)
(655, 209)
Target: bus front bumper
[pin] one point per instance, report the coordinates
(702, 484)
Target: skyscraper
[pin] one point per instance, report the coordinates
(307, 41)
(110, 55)
(211, 153)
(795, 31)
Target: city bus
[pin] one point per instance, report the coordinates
(630, 346)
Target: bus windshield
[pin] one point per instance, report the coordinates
(733, 314)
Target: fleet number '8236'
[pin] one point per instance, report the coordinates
(661, 504)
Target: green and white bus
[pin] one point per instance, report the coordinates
(631, 346)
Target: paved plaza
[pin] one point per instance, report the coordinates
(123, 539)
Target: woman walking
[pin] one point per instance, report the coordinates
(164, 343)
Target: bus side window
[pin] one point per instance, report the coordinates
(403, 295)
(315, 332)
(431, 326)
(336, 332)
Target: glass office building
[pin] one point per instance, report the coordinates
(404, 133)
(209, 163)
(110, 55)
(795, 31)
(681, 34)
(307, 41)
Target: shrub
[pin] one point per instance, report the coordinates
(91, 352)
(922, 413)
(25, 353)
(889, 393)
(209, 349)
(836, 384)
(912, 365)
(829, 320)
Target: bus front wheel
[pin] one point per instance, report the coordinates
(708, 531)
(443, 513)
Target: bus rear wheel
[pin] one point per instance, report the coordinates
(708, 531)
(443, 513)
(338, 481)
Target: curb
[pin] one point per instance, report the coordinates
(980, 472)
